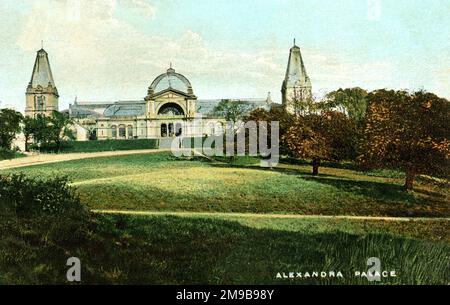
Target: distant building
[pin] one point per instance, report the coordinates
(169, 109)
(296, 88)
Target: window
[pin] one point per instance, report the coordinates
(39, 103)
(178, 130)
(170, 109)
(163, 130)
(122, 131)
(114, 131)
(130, 131)
(171, 130)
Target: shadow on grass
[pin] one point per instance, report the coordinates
(288, 171)
(382, 191)
(181, 250)
(339, 165)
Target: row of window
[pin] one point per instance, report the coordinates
(122, 131)
(167, 130)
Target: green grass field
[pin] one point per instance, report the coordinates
(228, 248)
(160, 182)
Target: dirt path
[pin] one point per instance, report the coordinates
(53, 158)
(253, 215)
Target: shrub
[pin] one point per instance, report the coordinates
(27, 196)
(6, 154)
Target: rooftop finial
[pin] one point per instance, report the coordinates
(294, 41)
(170, 70)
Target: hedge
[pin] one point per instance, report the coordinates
(109, 145)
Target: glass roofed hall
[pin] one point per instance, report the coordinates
(124, 110)
(171, 80)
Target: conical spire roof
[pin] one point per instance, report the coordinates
(42, 74)
(296, 72)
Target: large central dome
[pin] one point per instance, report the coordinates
(171, 80)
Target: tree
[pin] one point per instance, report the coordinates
(29, 125)
(60, 128)
(305, 142)
(408, 131)
(303, 103)
(351, 101)
(9, 127)
(277, 113)
(234, 113)
(326, 136)
(48, 131)
(38, 128)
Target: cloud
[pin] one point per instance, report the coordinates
(98, 56)
(142, 7)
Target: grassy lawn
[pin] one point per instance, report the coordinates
(205, 250)
(161, 182)
(228, 249)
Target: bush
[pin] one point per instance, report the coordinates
(6, 154)
(25, 196)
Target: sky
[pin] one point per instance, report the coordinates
(109, 50)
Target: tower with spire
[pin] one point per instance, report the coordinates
(41, 94)
(296, 89)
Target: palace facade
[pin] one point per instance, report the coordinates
(170, 107)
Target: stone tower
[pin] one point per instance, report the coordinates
(41, 95)
(296, 88)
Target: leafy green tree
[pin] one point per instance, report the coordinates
(304, 105)
(234, 113)
(408, 131)
(9, 127)
(351, 101)
(39, 129)
(60, 128)
(29, 125)
(48, 132)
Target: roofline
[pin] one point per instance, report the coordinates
(173, 90)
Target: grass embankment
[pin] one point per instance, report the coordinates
(160, 182)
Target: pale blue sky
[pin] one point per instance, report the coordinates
(112, 50)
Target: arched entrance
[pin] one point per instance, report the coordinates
(170, 109)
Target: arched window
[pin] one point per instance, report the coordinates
(212, 128)
(114, 131)
(163, 130)
(130, 131)
(170, 109)
(178, 130)
(219, 129)
(171, 132)
(39, 103)
(122, 131)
